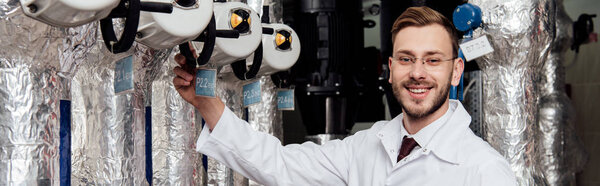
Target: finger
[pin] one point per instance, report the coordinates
(180, 59)
(183, 74)
(177, 81)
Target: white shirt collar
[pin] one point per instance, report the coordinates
(424, 136)
(443, 139)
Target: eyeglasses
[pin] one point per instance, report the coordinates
(431, 63)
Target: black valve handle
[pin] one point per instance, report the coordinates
(207, 49)
(239, 67)
(156, 7)
(231, 34)
(130, 10)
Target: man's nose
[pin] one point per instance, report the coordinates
(417, 70)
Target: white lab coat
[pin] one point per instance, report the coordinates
(453, 156)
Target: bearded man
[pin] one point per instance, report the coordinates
(430, 143)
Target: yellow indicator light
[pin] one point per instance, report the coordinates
(283, 40)
(236, 20)
(279, 39)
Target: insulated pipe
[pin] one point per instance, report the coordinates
(559, 155)
(37, 63)
(173, 130)
(108, 140)
(521, 32)
(264, 116)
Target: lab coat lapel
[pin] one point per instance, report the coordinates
(388, 135)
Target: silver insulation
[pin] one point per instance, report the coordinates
(107, 129)
(36, 63)
(559, 153)
(520, 31)
(174, 131)
(264, 116)
(217, 174)
(257, 5)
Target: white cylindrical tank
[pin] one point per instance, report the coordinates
(68, 13)
(234, 16)
(185, 23)
(280, 49)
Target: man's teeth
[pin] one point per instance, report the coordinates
(417, 90)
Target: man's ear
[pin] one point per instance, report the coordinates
(457, 70)
(390, 68)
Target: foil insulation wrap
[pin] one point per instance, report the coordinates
(36, 61)
(264, 116)
(108, 139)
(559, 153)
(174, 131)
(520, 31)
(217, 174)
(75, 47)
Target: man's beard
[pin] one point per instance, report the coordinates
(438, 101)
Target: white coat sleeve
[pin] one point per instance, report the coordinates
(262, 158)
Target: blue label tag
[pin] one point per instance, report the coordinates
(124, 75)
(205, 82)
(285, 99)
(251, 93)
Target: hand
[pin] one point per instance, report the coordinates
(211, 109)
(184, 81)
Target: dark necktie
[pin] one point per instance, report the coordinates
(408, 144)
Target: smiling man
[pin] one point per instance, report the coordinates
(429, 144)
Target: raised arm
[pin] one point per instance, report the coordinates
(260, 156)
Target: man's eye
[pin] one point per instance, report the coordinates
(405, 59)
(432, 60)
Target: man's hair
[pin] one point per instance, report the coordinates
(423, 16)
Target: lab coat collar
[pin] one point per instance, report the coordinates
(424, 136)
(445, 142)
